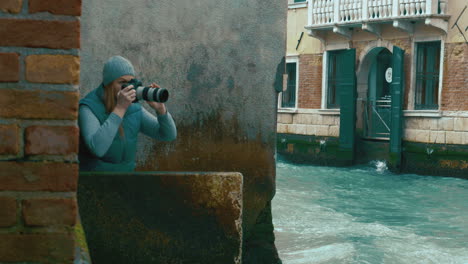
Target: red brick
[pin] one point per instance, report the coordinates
(46, 248)
(40, 33)
(57, 7)
(9, 139)
(51, 140)
(38, 176)
(455, 92)
(9, 67)
(11, 6)
(47, 212)
(7, 211)
(310, 81)
(38, 104)
(53, 69)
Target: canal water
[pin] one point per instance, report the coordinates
(365, 214)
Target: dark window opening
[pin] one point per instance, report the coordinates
(427, 75)
(333, 99)
(289, 96)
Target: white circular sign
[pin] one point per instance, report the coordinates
(388, 75)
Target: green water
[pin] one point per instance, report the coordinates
(365, 214)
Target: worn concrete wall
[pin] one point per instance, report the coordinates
(162, 217)
(219, 59)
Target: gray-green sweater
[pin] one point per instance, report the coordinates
(101, 146)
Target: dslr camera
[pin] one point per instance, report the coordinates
(146, 93)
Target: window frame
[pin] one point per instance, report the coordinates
(325, 81)
(427, 58)
(412, 92)
(293, 4)
(291, 59)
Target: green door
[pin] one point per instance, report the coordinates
(346, 86)
(397, 93)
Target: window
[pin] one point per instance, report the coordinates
(427, 75)
(333, 99)
(299, 1)
(288, 98)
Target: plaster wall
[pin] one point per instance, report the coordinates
(297, 19)
(456, 10)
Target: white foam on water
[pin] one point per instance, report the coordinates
(380, 166)
(334, 253)
(419, 250)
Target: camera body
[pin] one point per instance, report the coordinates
(146, 93)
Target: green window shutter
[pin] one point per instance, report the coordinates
(427, 75)
(289, 96)
(299, 1)
(346, 85)
(397, 94)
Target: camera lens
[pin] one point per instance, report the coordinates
(160, 95)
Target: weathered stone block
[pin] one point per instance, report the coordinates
(298, 118)
(161, 217)
(409, 134)
(311, 130)
(318, 119)
(445, 123)
(421, 135)
(308, 119)
(53, 69)
(282, 128)
(427, 124)
(299, 129)
(452, 137)
(285, 118)
(412, 123)
(437, 137)
(328, 120)
(465, 138)
(461, 124)
(322, 130)
(334, 131)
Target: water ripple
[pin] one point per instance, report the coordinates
(365, 214)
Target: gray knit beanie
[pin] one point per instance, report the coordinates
(116, 67)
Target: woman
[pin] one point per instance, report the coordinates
(109, 121)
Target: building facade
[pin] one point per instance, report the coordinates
(372, 80)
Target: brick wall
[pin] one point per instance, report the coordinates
(39, 76)
(310, 81)
(455, 81)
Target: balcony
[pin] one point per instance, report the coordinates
(341, 15)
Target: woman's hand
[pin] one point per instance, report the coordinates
(125, 97)
(159, 107)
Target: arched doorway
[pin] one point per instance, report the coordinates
(378, 107)
(380, 88)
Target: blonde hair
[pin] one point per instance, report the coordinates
(110, 102)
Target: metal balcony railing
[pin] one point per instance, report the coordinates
(323, 13)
